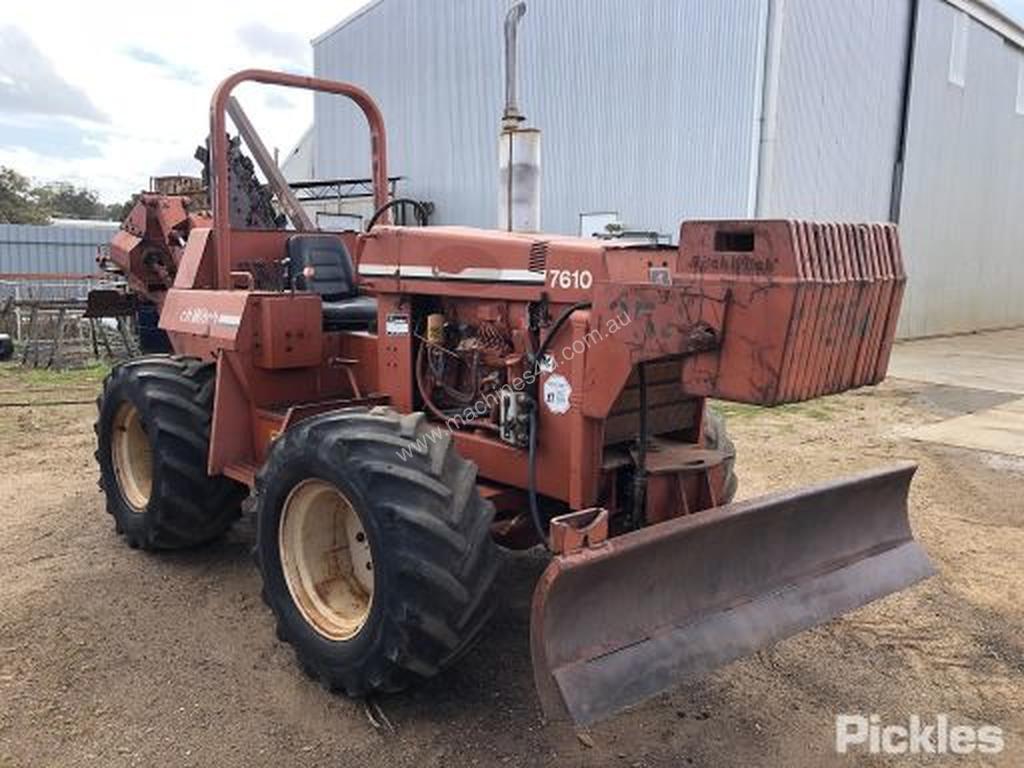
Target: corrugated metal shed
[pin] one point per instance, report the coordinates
(649, 110)
(665, 110)
(840, 90)
(54, 248)
(297, 165)
(963, 190)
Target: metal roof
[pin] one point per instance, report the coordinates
(983, 11)
(992, 17)
(347, 20)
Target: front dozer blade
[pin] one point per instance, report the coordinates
(618, 621)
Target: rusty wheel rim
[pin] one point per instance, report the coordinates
(326, 559)
(132, 457)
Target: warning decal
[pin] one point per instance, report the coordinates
(396, 325)
(556, 393)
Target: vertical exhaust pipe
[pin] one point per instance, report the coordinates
(518, 147)
(512, 19)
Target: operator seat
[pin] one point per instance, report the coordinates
(321, 264)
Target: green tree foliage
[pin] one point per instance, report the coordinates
(119, 211)
(19, 200)
(23, 203)
(67, 201)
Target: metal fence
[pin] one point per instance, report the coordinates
(49, 262)
(27, 290)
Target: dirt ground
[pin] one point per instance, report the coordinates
(110, 656)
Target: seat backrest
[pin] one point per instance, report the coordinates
(321, 264)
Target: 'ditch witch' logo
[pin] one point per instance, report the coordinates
(208, 317)
(199, 316)
(733, 263)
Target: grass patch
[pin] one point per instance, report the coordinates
(737, 410)
(820, 409)
(13, 376)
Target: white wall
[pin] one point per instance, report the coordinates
(840, 93)
(647, 109)
(962, 218)
(652, 110)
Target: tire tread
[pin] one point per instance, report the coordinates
(438, 534)
(187, 506)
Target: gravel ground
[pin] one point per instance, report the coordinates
(110, 656)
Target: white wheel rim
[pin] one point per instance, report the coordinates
(326, 559)
(132, 457)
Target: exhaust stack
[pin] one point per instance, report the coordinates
(518, 147)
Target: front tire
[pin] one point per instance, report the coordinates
(375, 548)
(153, 441)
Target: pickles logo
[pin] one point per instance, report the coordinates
(867, 733)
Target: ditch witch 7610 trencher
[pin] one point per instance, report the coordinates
(402, 404)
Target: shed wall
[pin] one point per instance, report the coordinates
(650, 112)
(655, 114)
(963, 192)
(840, 92)
(51, 248)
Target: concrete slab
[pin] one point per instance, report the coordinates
(959, 401)
(992, 360)
(999, 430)
(977, 377)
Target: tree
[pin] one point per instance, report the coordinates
(119, 211)
(68, 201)
(23, 203)
(20, 202)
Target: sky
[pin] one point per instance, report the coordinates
(106, 94)
(1014, 8)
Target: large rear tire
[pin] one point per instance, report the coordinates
(375, 548)
(717, 439)
(153, 441)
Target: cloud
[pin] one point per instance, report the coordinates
(262, 40)
(178, 165)
(46, 136)
(1013, 8)
(155, 117)
(276, 100)
(29, 83)
(176, 71)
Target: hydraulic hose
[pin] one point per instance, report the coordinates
(640, 478)
(432, 407)
(420, 211)
(538, 525)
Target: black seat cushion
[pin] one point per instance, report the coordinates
(333, 278)
(356, 313)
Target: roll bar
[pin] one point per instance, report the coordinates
(219, 148)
